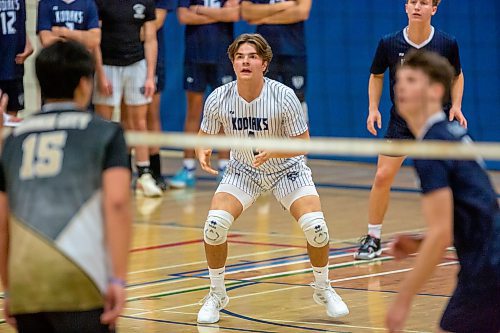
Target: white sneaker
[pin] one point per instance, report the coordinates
(148, 185)
(212, 304)
(335, 306)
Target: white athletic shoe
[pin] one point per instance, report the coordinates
(212, 304)
(147, 184)
(335, 306)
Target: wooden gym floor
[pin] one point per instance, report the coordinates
(268, 272)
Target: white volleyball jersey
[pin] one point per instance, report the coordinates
(276, 113)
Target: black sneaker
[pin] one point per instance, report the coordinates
(370, 248)
(160, 182)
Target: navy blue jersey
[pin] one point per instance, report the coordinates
(12, 37)
(207, 43)
(392, 49)
(76, 15)
(168, 5)
(476, 210)
(285, 39)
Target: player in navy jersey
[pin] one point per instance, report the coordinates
(209, 31)
(281, 22)
(154, 121)
(459, 205)
(419, 34)
(76, 20)
(15, 48)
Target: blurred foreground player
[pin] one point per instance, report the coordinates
(65, 220)
(459, 205)
(419, 34)
(254, 106)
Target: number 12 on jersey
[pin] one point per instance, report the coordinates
(42, 155)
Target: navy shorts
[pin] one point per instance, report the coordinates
(197, 77)
(15, 90)
(472, 310)
(398, 129)
(160, 76)
(62, 322)
(292, 72)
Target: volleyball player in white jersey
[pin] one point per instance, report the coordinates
(257, 106)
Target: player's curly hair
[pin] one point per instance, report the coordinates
(261, 46)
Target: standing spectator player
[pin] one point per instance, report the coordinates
(281, 22)
(154, 119)
(15, 48)
(209, 31)
(419, 34)
(459, 205)
(64, 179)
(74, 20)
(126, 70)
(257, 106)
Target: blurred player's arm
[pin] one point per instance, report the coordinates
(229, 13)
(297, 13)
(437, 207)
(103, 84)
(4, 239)
(189, 17)
(251, 11)
(151, 54)
(457, 94)
(90, 38)
(375, 85)
(117, 223)
(161, 16)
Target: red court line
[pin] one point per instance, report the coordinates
(269, 244)
(162, 246)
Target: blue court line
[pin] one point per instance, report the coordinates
(279, 324)
(237, 266)
(195, 325)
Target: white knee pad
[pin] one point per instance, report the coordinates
(315, 228)
(216, 227)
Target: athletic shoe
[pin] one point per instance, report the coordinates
(370, 248)
(326, 296)
(183, 178)
(160, 182)
(147, 184)
(212, 304)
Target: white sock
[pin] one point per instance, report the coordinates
(142, 164)
(189, 164)
(375, 230)
(217, 279)
(223, 163)
(321, 276)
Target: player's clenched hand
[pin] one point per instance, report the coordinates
(374, 116)
(104, 85)
(149, 88)
(404, 245)
(204, 156)
(261, 158)
(113, 304)
(456, 113)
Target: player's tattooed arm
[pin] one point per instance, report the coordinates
(251, 12)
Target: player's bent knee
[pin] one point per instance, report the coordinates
(315, 228)
(217, 226)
